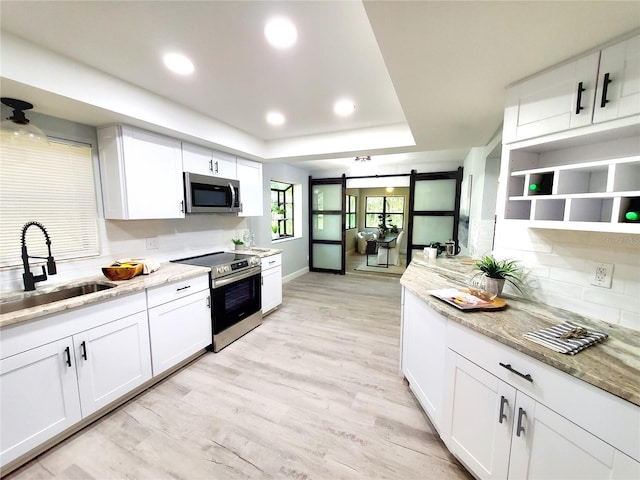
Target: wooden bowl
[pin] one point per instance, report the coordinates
(122, 271)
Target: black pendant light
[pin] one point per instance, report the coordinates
(18, 125)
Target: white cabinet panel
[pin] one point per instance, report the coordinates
(620, 74)
(112, 360)
(424, 348)
(178, 329)
(141, 174)
(250, 177)
(205, 161)
(271, 283)
(38, 397)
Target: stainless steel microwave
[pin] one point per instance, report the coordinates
(206, 194)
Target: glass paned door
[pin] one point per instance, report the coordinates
(327, 225)
(434, 209)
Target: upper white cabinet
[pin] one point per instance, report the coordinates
(250, 177)
(618, 92)
(141, 174)
(202, 160)
(599, 87)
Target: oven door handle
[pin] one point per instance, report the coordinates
(234, 278)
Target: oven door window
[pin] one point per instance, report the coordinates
(235, 302)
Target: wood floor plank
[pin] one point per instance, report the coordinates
(315, 392)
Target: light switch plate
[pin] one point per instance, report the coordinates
(602, 275)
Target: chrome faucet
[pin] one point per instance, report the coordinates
(28, 278)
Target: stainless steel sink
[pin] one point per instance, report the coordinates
(55, 296)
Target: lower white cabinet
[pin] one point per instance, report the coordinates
(499, 432)
(507, 415)
(271, 283)
(179, 321)
(45, 388)
(423, 353)
(38, 397)
(112, 360)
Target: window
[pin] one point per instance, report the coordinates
(350, 215)
(391, 207)
(282, 210)
(52, 184)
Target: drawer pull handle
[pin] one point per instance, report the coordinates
(68, 354)
(605, 88)
(520, 428)
(503, 402)
(183, 288)
(83, 348)
(578, 103)
(511, 369)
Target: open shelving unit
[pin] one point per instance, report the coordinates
(581, 183)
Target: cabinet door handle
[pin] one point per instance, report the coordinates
(511, 369)
(216, 167)
(579, 101)
(211, 165)
(83, 349)
(209, 301)
(520, 427)
(503, 402)
(181, 206)
(183, 288)
(68, 354)
(605, 88)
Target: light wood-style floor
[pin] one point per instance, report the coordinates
(313, 393)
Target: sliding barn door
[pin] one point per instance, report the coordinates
(327, 225)
(434, 209)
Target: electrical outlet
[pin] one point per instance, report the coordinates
(602, 275)
(153, 243)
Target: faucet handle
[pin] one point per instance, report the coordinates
(51, 266)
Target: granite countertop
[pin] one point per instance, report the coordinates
(612, 365)
(167, 273)
(260, 252)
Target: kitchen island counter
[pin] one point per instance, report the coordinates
(612, 365)
(167, 273)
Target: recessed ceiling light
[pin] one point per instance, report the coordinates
(344, 107)
(275, 118)
(281, 33)
(178, 63)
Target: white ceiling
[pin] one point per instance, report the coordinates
(438, 68)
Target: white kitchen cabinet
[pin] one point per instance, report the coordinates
(46, 383)
(39, 397)
(112, 360)
(250, 177)
(205, 161)
(141, 174)
(619, 74)
(271, 283)
(179, 321)
(573, 95)
(556, 100)
(499, 432)
(423, 354)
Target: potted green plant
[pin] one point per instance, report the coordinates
(238, 243)
(494, 273)
(385, 228)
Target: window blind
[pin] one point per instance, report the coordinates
(52, 184)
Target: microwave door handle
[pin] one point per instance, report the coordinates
(233, 196)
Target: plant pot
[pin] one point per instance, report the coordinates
(493, 285)
(241, 247)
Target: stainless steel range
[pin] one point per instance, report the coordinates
(236, 299)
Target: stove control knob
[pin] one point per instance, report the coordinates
(220, 270)
(227, 269)
(254, 261)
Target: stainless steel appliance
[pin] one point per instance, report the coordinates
(236, 298)
(207, 194)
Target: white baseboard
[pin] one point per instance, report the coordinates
(295, 275)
